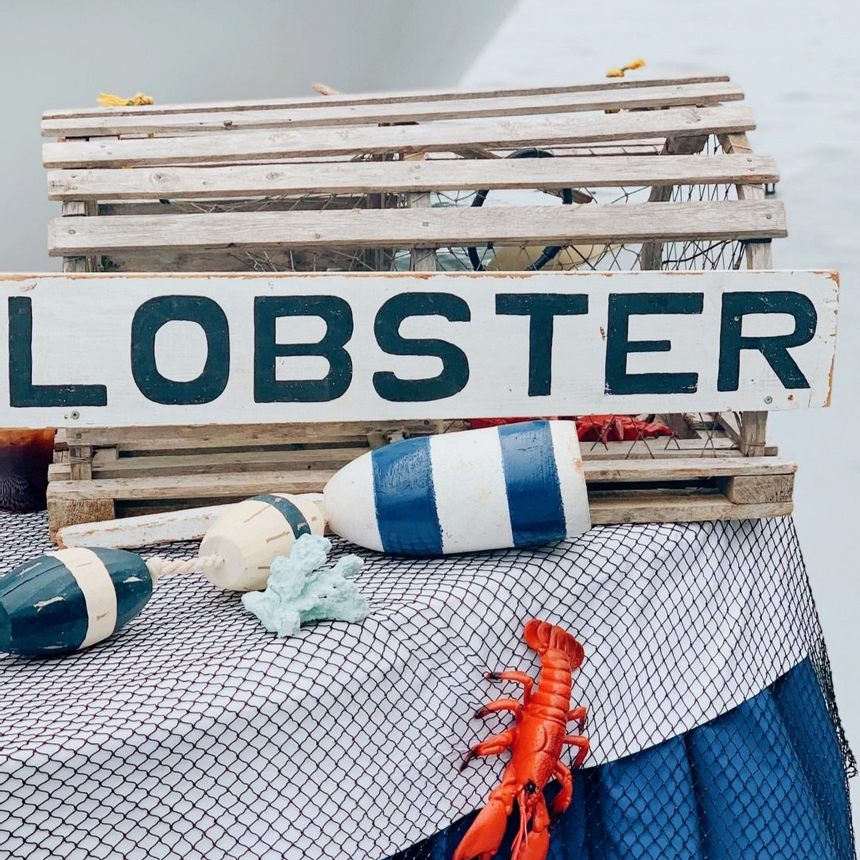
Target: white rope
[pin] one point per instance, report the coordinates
(158, 566)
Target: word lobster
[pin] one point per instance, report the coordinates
(536, 742)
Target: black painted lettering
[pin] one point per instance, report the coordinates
(22, 391)
(774, 347)
(541, 309)
(619, 346)
(148, 320)
(455, 366)
(337, 315)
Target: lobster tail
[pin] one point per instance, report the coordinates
(540, 636)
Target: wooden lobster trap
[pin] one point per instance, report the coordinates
(622, 176)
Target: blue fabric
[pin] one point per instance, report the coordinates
(763, 782)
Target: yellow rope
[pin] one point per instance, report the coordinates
(619, 72)
(107, 100)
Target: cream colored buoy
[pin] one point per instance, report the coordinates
(253, 533)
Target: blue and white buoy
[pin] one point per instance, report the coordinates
(509, 486)
(70, 599)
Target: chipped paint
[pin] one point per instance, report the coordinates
(41, 604)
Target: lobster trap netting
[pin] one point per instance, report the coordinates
(194, 734)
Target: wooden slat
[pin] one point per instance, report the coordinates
(420, 228)
(651, 254)
(684, 469)
(234, 484)
(142, 531)
(78, 209)
(327, 114)
(367, 177)
(746, 490)
(596, 471)
(675, 506)
(226, 435)
(210, 464)
(375, 98)
(431, 137)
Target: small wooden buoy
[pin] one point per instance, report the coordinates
(253, 533)
(509, 486)
(70, 599)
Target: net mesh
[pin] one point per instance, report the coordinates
(194, 734)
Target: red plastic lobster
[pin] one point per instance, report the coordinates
(536, 742)
(617, 428)
(595, 428)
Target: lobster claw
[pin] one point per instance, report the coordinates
(484, 836)
(534, 844)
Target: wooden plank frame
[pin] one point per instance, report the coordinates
(415, 174)
(312, 141)
(379, 98)
(326, 114)
(288, 147)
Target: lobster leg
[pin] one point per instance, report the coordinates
(495, 745)
(577, 714)
(562, 800)
(519, 677)
(501, 705)
(583, 744)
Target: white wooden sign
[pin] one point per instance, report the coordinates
(152, 350)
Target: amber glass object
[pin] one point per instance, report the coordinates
(24, 459)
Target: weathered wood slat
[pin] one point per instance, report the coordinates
(234, 484)
(431, 137)
(142, 531)
(420, 228)
(327, 114)
(684, 469)
(229, 435)
(596, 471)
(376, 98)
(675, 506)
(211, 463)
(365, 177)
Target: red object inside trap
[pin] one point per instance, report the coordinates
(593, 428)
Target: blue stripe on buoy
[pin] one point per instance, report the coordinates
(531, 476)
(290, 512)
(44, 608)
(405, 498)
(131, 580)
